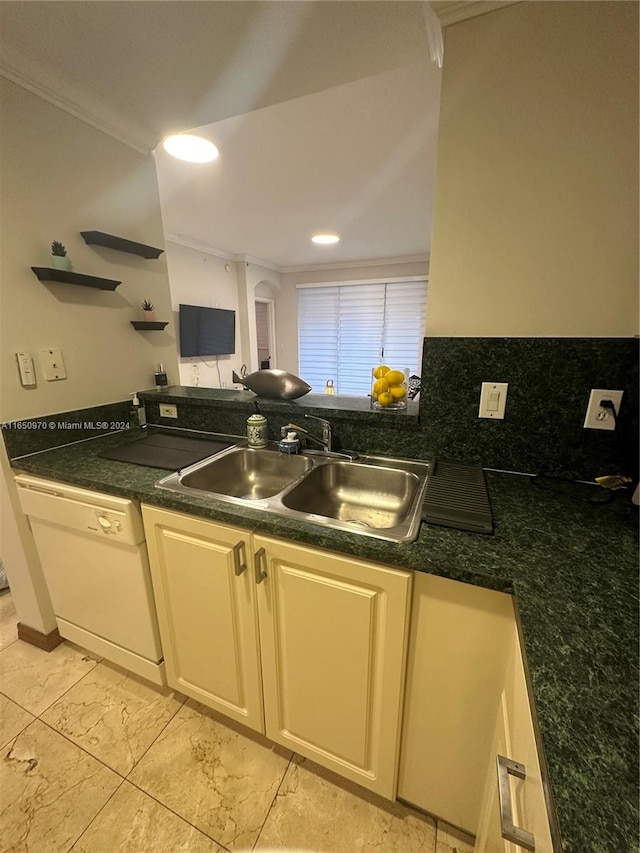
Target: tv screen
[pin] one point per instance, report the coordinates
(206, 331)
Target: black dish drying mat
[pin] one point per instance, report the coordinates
(171, 452)
(456, 496)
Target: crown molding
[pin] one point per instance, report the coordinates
(201, 246)
(453, 11)
(72, 98)
(365, 262)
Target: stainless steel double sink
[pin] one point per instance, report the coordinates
(373, 496)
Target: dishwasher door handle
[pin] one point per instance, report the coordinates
(41, 491)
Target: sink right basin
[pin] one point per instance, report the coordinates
(366, 496)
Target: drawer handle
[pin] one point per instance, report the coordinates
(261, 574)
(510, 831)
(239, 559)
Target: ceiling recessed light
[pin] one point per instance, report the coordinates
(325, 239)
(194, 149)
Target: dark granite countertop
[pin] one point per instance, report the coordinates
(573, 569)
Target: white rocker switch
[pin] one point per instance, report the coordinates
(493, 400)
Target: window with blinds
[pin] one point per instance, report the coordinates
(345, 330)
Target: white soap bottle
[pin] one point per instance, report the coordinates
(138, 414)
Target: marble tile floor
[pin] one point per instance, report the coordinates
(95, 760)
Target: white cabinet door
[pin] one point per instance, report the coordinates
(529, 804)
(205, 594)
(333, 634)
(489, 838)
(458, 653)
(524, 799)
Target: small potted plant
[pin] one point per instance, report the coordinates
(59, 257)
(148, 311)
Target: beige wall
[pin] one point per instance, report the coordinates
(201, 278)
(59, 177)
(536, 208)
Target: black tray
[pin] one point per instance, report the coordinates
(170, 452)
(457, 497)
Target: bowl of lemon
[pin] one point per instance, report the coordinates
(388, 388)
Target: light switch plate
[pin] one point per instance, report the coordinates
(52, 364)
(493, 400)
(598, 417)
(25, 367)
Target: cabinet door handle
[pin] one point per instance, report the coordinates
(510, 831)
(261, 574)
(239, 558)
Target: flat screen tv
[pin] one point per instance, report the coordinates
(206, 331)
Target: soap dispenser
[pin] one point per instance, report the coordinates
(257, 428)
(289, 443)
(138, 415)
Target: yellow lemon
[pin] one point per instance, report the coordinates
(394, 377)
(380, 371)
(380, 385)
(385, 399)
(398, 392)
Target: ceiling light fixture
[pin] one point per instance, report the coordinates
(193, 149)
(325, 239)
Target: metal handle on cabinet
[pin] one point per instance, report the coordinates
(510, 831)
(258, 558)
(239, 558)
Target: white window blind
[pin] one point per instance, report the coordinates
(345, 330)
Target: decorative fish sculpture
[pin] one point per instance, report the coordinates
(275, 383)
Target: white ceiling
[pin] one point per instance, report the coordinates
(325, 112)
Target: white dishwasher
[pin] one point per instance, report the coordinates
(94, 558)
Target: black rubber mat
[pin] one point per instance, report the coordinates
(170, 452)
(457, 497)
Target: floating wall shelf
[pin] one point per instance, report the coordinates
(148, 325)
(109, 241)
(68, 277)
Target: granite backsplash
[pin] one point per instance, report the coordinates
(550, 380)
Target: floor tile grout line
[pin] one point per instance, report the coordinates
(108, 766)
(2, 693)
(152, 796)
(171, 718)
(81, 748)
(10, 644)
(173, 811)
(122, 780)
(75, 683)
(100, 810)
(275, 797)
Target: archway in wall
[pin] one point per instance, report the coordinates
(265, 353)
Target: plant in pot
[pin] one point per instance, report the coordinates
(148, 311)
(59, 257)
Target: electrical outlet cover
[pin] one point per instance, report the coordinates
(597, 417)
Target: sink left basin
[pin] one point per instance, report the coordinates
(248, 473)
